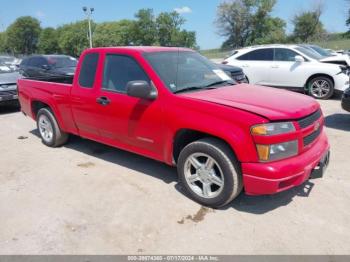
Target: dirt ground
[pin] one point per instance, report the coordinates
(87, 198)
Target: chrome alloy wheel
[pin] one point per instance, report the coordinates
(203, 175)
(45, 128)
(320, 88)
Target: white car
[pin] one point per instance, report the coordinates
(291, 67)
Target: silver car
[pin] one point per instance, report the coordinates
(8, 84)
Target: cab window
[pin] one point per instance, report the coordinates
(119, 70)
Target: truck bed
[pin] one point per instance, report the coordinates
(53, 79)
(52, 93)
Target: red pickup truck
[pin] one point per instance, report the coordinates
(175, 106)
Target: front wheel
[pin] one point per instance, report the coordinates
(209, 172)
(321, 87)
(50, 132)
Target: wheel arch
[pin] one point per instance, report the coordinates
(317, 75)
(185, 136)
(36, 105)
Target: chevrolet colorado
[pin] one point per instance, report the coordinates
(175, 106)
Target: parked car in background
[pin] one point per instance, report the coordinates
(47, 66)
(10, 61)
(329, 56)
(8, 84)
(236, 73)
(345, 102)
(291, 67)
(176, 106)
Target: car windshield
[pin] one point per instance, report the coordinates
(4, 69)
(62, 62)
(187, 70)
(310, 53)
(7, 60)
(321, 51)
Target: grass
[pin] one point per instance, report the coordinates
(342, 44)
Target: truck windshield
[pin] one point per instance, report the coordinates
(187, 71)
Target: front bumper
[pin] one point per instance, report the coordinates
(271, 178)
(341, 82)
(8, 95)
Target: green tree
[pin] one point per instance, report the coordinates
(274, 31)
(113, 33)
(23, 35)
(48, 41)
(245, 22)
(308, 26)
(144, 28)
(170, 33)
(168, 25)
(3, 43)
(73, 38)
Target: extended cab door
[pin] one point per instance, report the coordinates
(124, 120)
(256, 65)
(83, 97)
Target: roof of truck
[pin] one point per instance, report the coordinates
(147, 49)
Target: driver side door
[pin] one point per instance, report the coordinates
(124, 120)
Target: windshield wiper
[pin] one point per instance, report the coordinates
(189, 89)
(220, 82)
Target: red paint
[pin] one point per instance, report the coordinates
(148, 127)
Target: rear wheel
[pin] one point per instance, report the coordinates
(50, 132)
(321, 87)
(209, 172)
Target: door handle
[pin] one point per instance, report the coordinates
(275, 66)
(245, 65)
(103, 101)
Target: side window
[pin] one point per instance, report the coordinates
(119, 70)
(283, 54)
(88, 70)
(31, 61)
(38, 61)
(258, 55)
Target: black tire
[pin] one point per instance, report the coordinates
(324, 96)
(59, 137)
(228, 164)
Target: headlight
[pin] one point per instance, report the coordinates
(273, 129)
(277, 151)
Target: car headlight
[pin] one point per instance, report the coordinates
(273, 129)
(277, 151)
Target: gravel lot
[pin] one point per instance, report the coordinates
(87, 198)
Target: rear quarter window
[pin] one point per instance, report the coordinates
(88, 70)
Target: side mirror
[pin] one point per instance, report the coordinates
(141, 89)
(299, 59)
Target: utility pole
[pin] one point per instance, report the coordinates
(88, 12)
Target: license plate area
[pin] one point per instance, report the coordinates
(320, 169)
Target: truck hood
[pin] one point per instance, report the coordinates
(271, 103)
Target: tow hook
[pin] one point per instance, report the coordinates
(319, 170)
